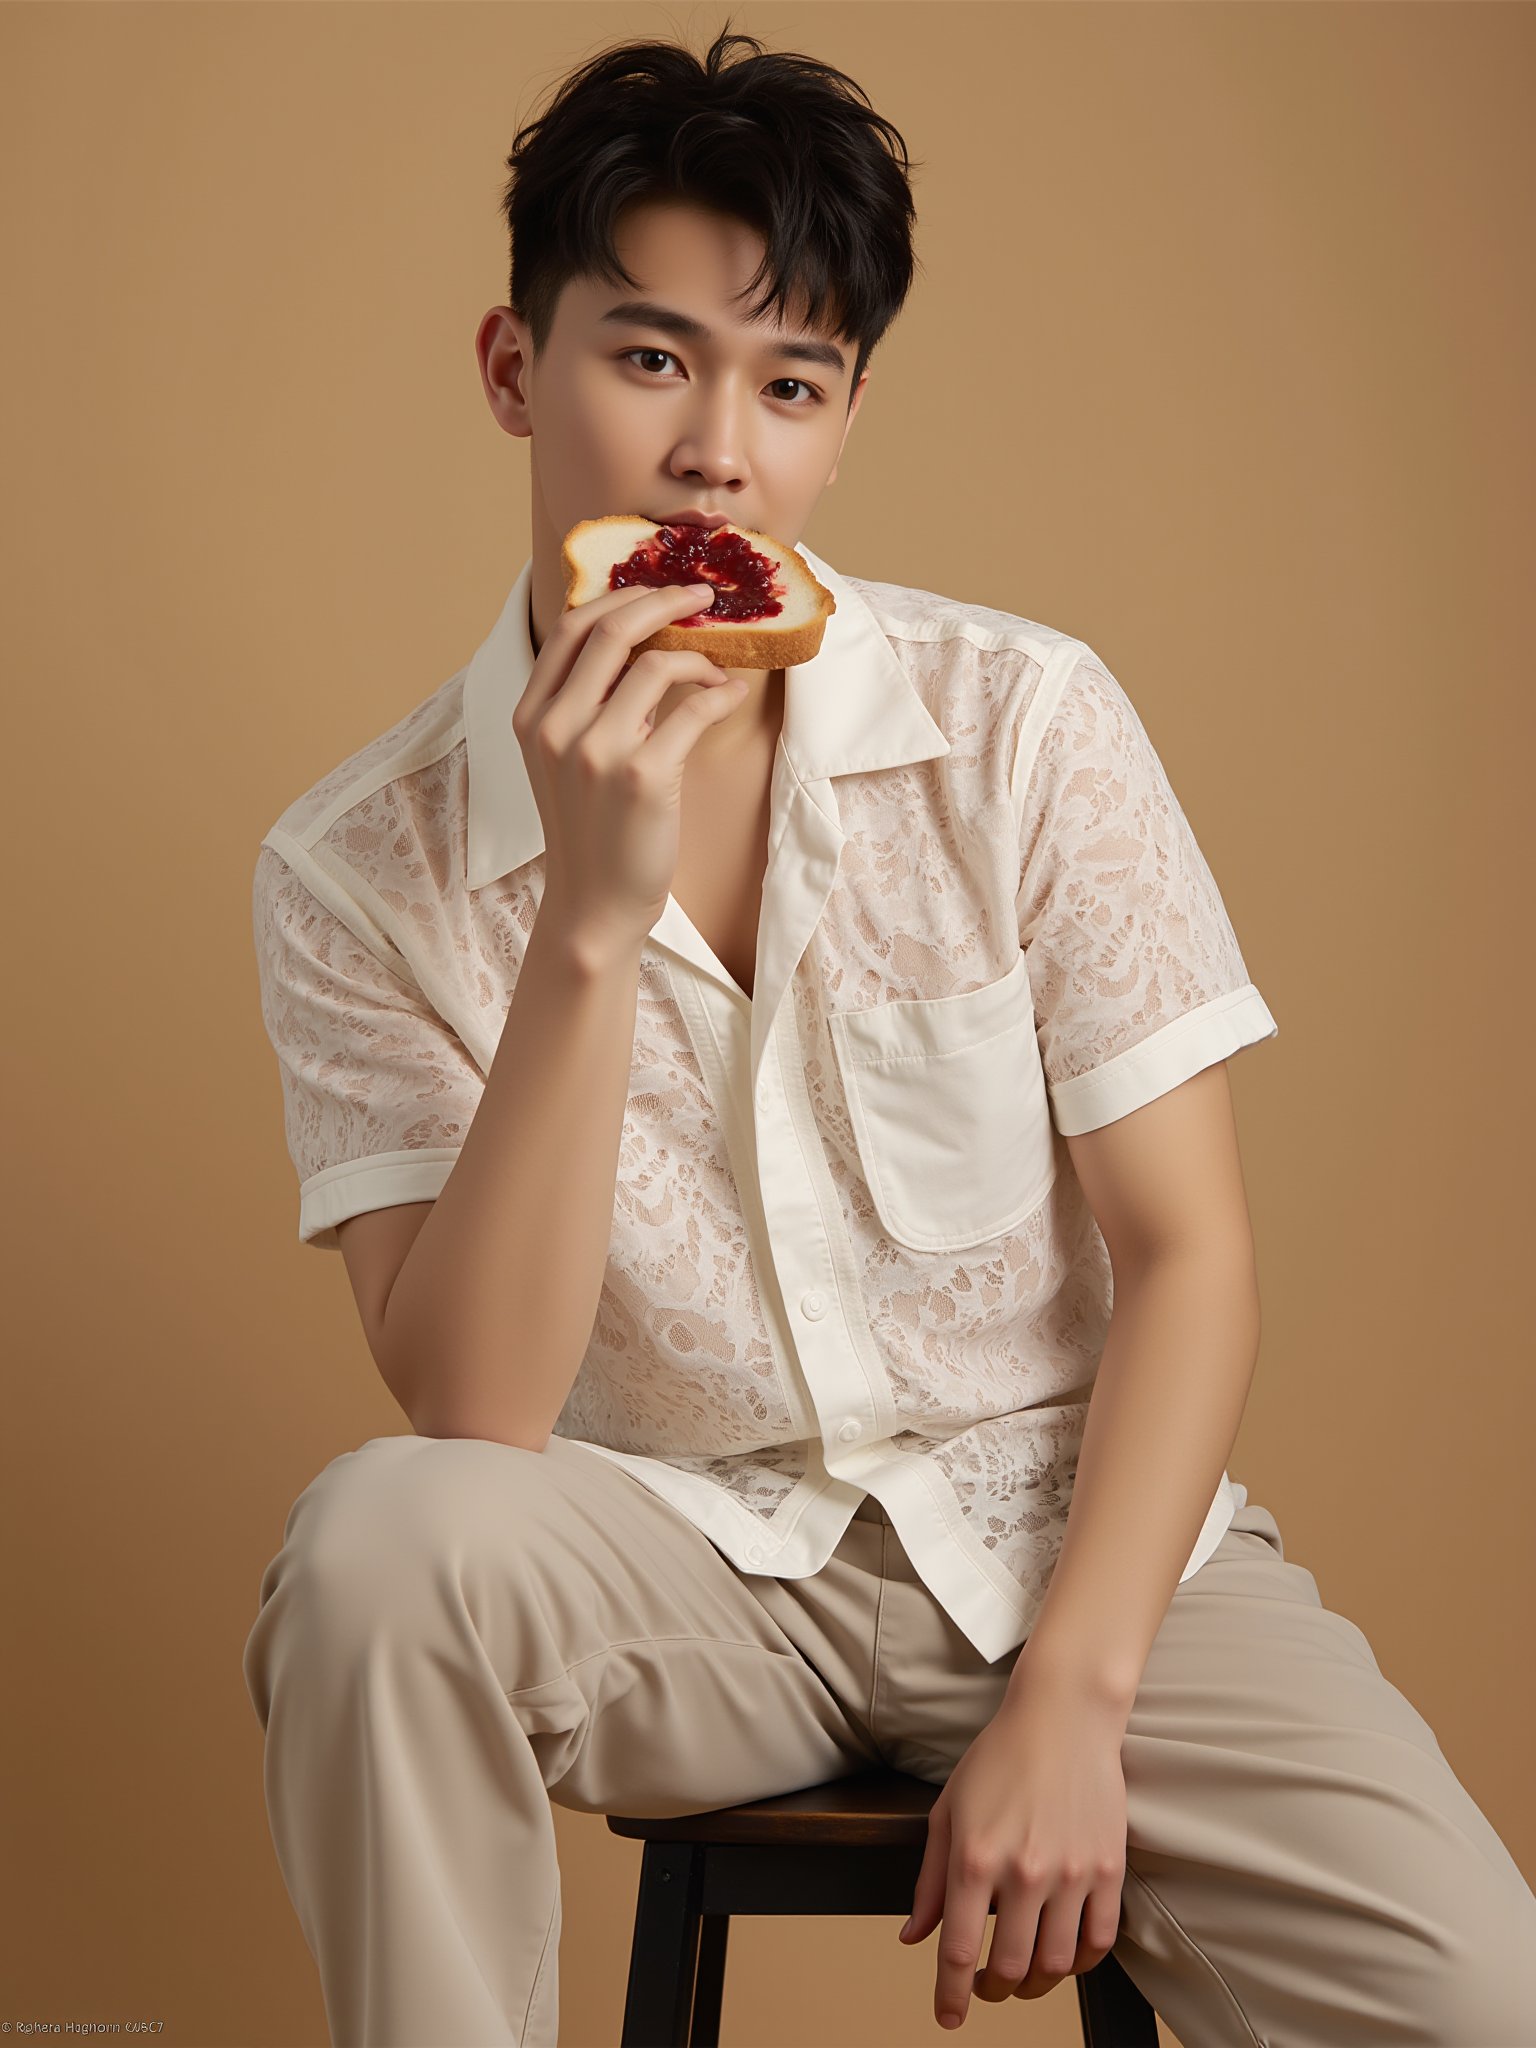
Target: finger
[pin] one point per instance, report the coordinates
(1097, 1934)
(672, 740)
(631, 708)
(967, 1902)
(566, 639)
(928, 1893)
(1036, 1983)
(608, 648)
(1053, 1947)
(1014, 1941)
(1101, 1915)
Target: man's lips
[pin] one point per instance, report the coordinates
(691, 517)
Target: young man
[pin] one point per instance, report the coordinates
(738, 1109)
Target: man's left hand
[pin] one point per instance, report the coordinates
(1032, 1821)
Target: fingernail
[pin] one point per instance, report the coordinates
(949, 2019)
(907, 1929)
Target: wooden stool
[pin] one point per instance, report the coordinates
(854, 1845)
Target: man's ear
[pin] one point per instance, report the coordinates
(502, 346)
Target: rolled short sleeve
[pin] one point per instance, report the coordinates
(378, 1091)
(1136, 974)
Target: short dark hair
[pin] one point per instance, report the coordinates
(787, 144)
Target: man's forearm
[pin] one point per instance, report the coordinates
(1172, 1383)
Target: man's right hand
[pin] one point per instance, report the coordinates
(608, 777)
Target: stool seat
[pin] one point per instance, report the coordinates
(852, 1845)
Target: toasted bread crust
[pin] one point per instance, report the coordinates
(740, 646)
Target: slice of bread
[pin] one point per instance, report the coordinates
(750, 571)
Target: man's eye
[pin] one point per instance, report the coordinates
(667, 356)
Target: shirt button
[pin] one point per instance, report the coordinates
(848, 1430)
(763, 1096)
(813, 1303)
(754, 1553)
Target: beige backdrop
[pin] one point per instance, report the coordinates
(1219, 359)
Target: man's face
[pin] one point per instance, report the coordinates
(626, 415)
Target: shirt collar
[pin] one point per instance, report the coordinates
(850, 709)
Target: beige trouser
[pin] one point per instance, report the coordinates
(456, 1632)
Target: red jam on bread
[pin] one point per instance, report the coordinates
(747, 584)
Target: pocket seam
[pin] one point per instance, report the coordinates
(870, 1022)
(949, 1052)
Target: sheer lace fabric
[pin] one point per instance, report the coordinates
(1021, 940)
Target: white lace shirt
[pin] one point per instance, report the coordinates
(849, 1253)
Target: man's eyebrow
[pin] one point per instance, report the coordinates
(646, 313)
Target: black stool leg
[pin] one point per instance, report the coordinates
(1113, 2011)
(663, 1961)
(709, 1985)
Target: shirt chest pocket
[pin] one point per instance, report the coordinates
(948, 1103)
